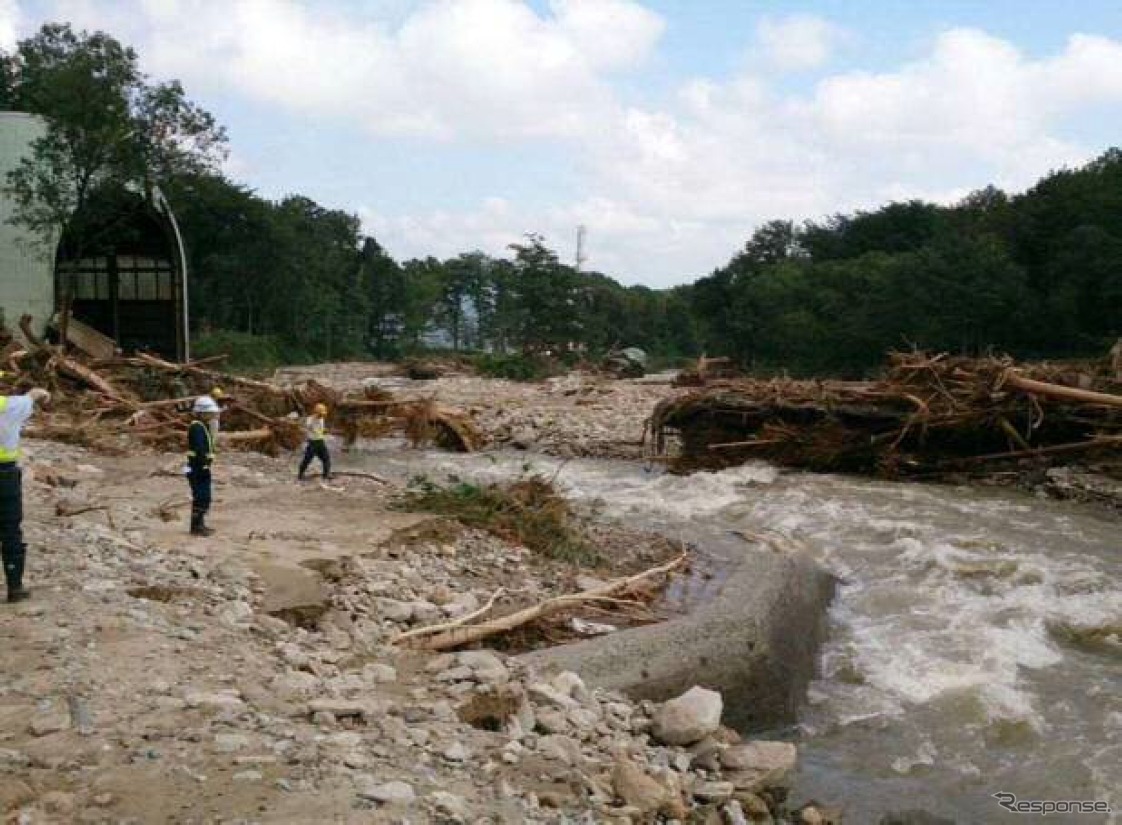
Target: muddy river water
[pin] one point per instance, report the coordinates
(975, 643)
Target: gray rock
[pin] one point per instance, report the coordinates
(230, 742)
(423, 611)
(713, 791)
(388, 793)
(544, 693)
(754, 766)
(450, 805)
(640, 791)
(734, 814)
(339, 708)
(224, 700)
(51, 721)
(380, 673)
(456, 674)
(689, 718)
(456, 752)
(561, 748)
(569, 684)
(394, 610)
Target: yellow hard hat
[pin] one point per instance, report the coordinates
(217, 393)
(320, 409)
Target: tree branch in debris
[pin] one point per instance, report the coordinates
(443, 637)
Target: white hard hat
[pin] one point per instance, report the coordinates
(205, 404)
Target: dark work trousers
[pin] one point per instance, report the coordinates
(316, 449)
(199, 478)
(11, 520)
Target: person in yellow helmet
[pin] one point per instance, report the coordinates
(315, 427)
(200, 457)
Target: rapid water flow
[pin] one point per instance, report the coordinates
(975, 642)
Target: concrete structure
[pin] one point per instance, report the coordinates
(756, 641)
(129, 284)
(26, 262)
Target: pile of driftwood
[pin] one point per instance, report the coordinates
(928, 416)
(104, 402)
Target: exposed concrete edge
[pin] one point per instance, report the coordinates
(756, 642)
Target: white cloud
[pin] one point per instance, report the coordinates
(673, 191)
(611, 34)
(451, 69)
(798, 42)
(9, 23)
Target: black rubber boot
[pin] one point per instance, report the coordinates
(198, 525)
(13, 572)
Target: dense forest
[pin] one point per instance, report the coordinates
(1035, 274)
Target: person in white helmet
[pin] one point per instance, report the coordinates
(14, 411)
(200, 457)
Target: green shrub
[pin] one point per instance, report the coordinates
(246, 352)
(517, 367)
(528, 510)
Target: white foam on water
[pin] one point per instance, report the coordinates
(664, 496)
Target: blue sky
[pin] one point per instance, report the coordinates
(669, 128)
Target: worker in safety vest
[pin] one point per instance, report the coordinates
(315, 427)
(200, 455)
(14, 411)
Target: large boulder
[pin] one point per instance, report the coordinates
(689, 718)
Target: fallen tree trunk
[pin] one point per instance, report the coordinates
(1102, 442)
(1012, 379)
(216, 378)
(443, 637)
(245, 436)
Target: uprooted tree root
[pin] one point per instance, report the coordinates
(929, 416)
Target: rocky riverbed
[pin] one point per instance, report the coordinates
(576, 414)
(250, 677)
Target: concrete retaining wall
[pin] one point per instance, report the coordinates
(756, 641)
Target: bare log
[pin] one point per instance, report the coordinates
(755, 442)
(440, 638)
(1012, 379)
(28, 334)
(92, 379)
(460, 622)
(1055, 449)
(245, 436)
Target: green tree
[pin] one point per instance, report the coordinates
(546, 298)
(108, 129)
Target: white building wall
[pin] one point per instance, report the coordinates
(26, 264)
